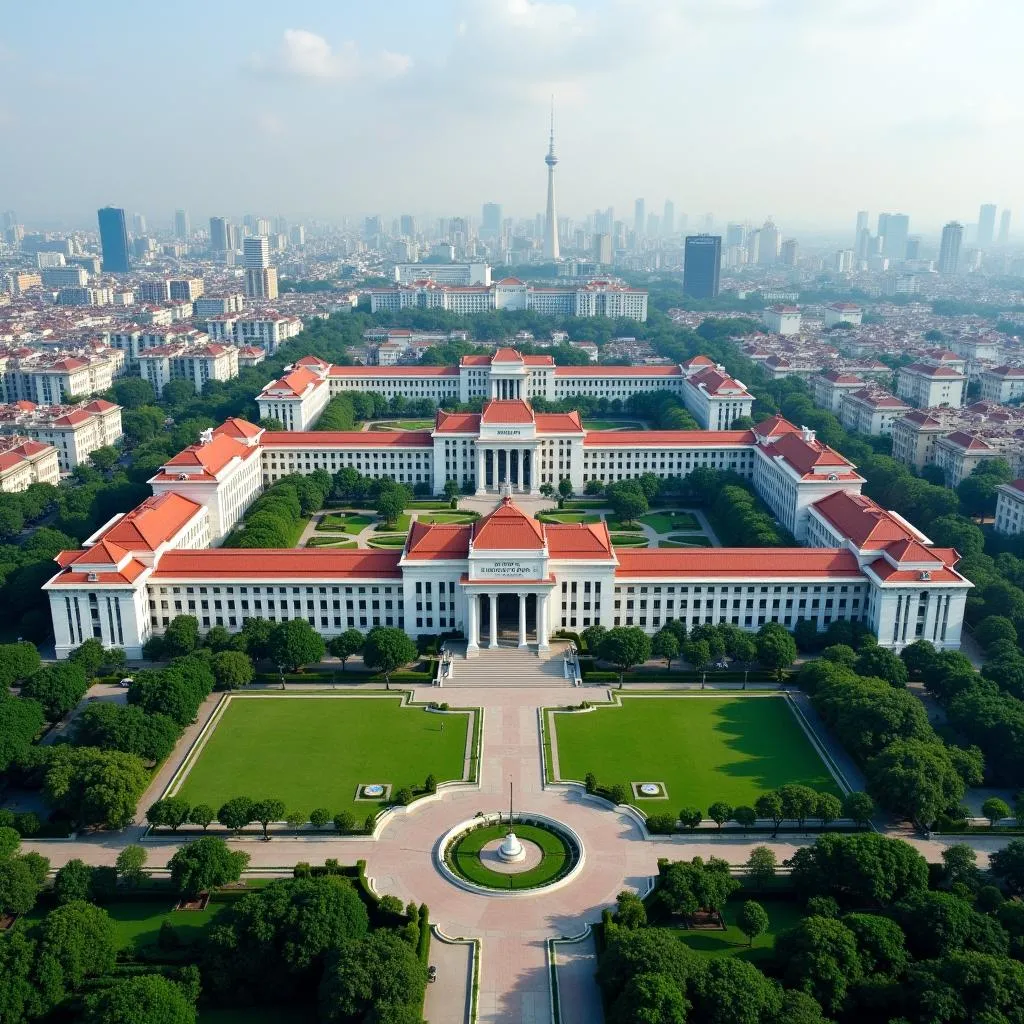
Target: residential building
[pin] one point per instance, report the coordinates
(218, 305)
(936, 380)
(829, 388)
(24, 462)
(74, 431)
(186, 289)
(51, 378)
(871, 410)
(782, 319)
(196, 363)
(1002, 383)
(986, 225)
(959, 454)
(1010, 507)
(843, 313)
(444, 273)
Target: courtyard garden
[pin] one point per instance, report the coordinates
(344, 522)
(315, 752)
(568, 517)
(669, 522)
(698, 749)
(402, 425)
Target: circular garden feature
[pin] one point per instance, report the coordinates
(470, 853)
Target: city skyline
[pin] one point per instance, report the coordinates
(290, 79)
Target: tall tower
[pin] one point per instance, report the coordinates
(550, 220)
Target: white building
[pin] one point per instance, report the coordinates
(74, 431)
(52, 378)
(1002, 383)
(297, 399)
(871, 410)
(782, 319)
(830, 388)
(24, 462)
(507, 574)
(843, 312)
(1010, 507)
(196, 363)
(958, 454)
(938, 380)
(443, 273)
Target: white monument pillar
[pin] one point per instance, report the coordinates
(534, 467)
(542, 622)
(481, 469)
(494, 620)
(522, 620)
(472, 624)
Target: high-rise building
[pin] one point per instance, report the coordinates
(639, 217)
(788, 253)
(753, 245)
(256, 253)
(949, 248)
(10, 219)
(986, 225)
(297, 234)
(1004, 228)
(668, 218)
(862, 225)
(653, 225)
(702, 262)
(550, 217)
(735, 234)
(260, 276)
(138, 223)
(407, 225)
(914, 247)
(490, 221)
(182, 228)
(895, 235)
(114, 240)
(219, 234)
(603, 248)
(863, 247)
(768, 253)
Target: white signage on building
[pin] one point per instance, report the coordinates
(506, 568)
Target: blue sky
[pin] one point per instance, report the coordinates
(806, 110)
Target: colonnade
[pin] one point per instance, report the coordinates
(473, 620)
(518, 463)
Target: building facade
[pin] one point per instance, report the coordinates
(74, 431)
(24, 462)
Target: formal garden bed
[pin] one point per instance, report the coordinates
(387, 540)
(668, 522)
(398, 525)
(701, 749)
(316, 751)
(629, 540)
(344, 522)
(568, 517)
(692, 540)
(448, 517)
(330, 542)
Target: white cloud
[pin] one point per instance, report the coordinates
(304, 54)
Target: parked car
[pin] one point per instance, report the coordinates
(126, 682)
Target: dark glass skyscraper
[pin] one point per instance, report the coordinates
(702, 262)
(114, 240)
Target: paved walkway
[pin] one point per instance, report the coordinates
(514, 985)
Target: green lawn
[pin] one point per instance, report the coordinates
(598, 424)
(447, 517)
(555, 859)
(568, 517)
(314, 751)
(702, 748)
(403, 425)
(667, 522)
(782, 914)
(329, 542)
(441, 504)
(351, 522)
(387, 540)
(691, 540)
(616, 525)
(629, 540)
(400, 525)
(573, 503)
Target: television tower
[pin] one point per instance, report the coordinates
(550, 220)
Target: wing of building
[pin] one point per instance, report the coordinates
(859, 563)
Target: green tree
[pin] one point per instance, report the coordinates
(18, 662)
(390, 505)
(171, 811)
(827, 808)
(697, 653)
(21, 720)
(744, 816)
(624, 647)
(77, 941)
(916, 779)
(690, 886)
(691, 817)
(344, 645)
(369, 975)
(319, 816)
(205, 864)
(880, 943)
(232, 669)
(89, 656)
(859, 807)
(719, 812)
(296, 643)
(995, 809)
(665, 644)
(255, 637)
(769, 805)
(799, 1008)
(752, 920)
(145, 999)
(882, 664)
(57, 688)
(95, 787)
(630, 910)
(628, 505)
(645, 952)
(1007, 865)
(266, 811)
(761, 865)
(731, 991)
(130, 863)
(387, 649)
(939, 923)
(776, 649)
(12, 518)
(920, 658)
(798, 802)
(181, 635)
(202, 815)
(960, 866)
(19, 885)
(564, 490)
(819, 956)
(73, 882)
(236, 813)
(133, 392)
(452, 491)
(994, 628)
(105, 458)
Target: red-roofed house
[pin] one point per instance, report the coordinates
(933, 382)
(959, 453)
(74, 430)
(1010, 507)
(1002, 383)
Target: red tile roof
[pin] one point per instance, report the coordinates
(889, 574)
(508, 528)
(968, 441)
(668, 438)
(457, 422)
(558, 423)
(739, 563)
(714, 382)
(806, 456)
(211, 458)
(907, 550)
(153, 522)
(775, 425)
(578, 540)
(275, 563)
(394, 371)
(235, 426)
(431, 542)
(80, 575)
(346, 438)
(513, 410)
(506, 355)
(618, 371)
(861, 520)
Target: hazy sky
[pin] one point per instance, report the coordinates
(806, 110)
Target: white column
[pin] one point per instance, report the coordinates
(522, 620)
(494, 620)
(481, 469)
(534, 476)
(542, 622)
(472, 624)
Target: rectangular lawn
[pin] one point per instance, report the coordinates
(314, 751)
(702, 749)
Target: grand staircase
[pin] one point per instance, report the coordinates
(510, 666)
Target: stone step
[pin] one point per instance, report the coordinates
(509, 666)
